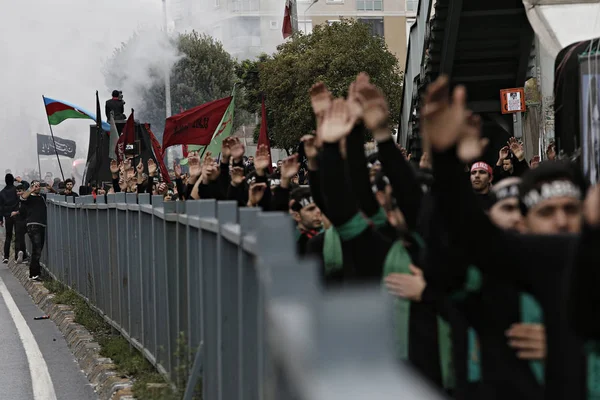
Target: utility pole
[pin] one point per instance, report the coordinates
(167, 71)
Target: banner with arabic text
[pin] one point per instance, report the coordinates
(64, 147)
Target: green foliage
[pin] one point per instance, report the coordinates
(334, 54)
(205, 72)
(148, 383)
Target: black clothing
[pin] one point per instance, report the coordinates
(9, 201)
(519, 168)
(9, 226)
(584, 294)
(538, 264)
(117, 107)
(20, 231)
(72, 194)
(35, 207)
(37, 235)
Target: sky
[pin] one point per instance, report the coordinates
(58, 48)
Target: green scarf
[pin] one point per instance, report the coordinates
(398, 261)
(531, 313)
(593, 370)
(332, 242)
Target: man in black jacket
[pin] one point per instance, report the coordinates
(117, 106)
(35, 208)
(9, 202)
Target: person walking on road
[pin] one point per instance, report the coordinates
(36, 218)
(9, 202)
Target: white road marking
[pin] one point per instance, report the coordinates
(43, 389)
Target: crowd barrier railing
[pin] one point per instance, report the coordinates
(227, 283)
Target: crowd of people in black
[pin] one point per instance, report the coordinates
(491, 267)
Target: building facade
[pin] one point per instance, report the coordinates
(248, 28)
(391, 19)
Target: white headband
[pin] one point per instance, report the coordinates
(551, 190)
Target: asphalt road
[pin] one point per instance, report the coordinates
(36, 348)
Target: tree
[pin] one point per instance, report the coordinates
(334, 54)
(250, 97)
(203, 71)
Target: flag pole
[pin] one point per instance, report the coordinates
(39, 166)
(53, 142)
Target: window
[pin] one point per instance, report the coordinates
(411, 5)
(305, 27)
(369, 5)
(243, 5)
(376, 25)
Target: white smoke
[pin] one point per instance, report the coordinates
(58, 48)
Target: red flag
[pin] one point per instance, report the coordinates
(196, 125)
(263, 138)
(184, 150)
(127, 137)
(286, 28)
(158, 154)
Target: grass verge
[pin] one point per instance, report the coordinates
(130, 363)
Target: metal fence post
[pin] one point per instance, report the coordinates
(145, 244)
(113, 275)
(248, 305)
(207, 249)
(228, 241)
(103, 263)
(133, 266)
(121, 229)
(157, 257)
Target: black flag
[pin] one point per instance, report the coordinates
(64, 147)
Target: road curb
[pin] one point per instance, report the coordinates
(100, 371)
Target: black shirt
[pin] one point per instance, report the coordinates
(35, 206)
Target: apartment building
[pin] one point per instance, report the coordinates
(391, 19)
(248, 28)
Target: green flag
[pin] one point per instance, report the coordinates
(224, 129)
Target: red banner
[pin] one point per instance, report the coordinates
(263, 138)
(158, 154)
(127, 137)
(196, 125)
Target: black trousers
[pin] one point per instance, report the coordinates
(20, 231)
(37, 235)
(9, 226)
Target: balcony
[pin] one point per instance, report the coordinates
(239, 6)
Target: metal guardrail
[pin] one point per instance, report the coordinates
(414, 59)
(229, 279)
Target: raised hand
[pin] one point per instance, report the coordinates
(375, 107)
(471, 145)
(226, 149)
(551, 151)
(290, 167)
(237, 150)
(177, 169)
(256, 192)
(140, 167)
(517, 148)
(151, 167)
(123, 184)
(441, 121)
(310, 148)
(114, 167)
(337, 122)
(320, 99)
(237, 176)
(262, 159)
(194, 164)
(130, 173)
(424, 162)
(503, 154)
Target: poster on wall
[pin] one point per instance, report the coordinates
(589, 111)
